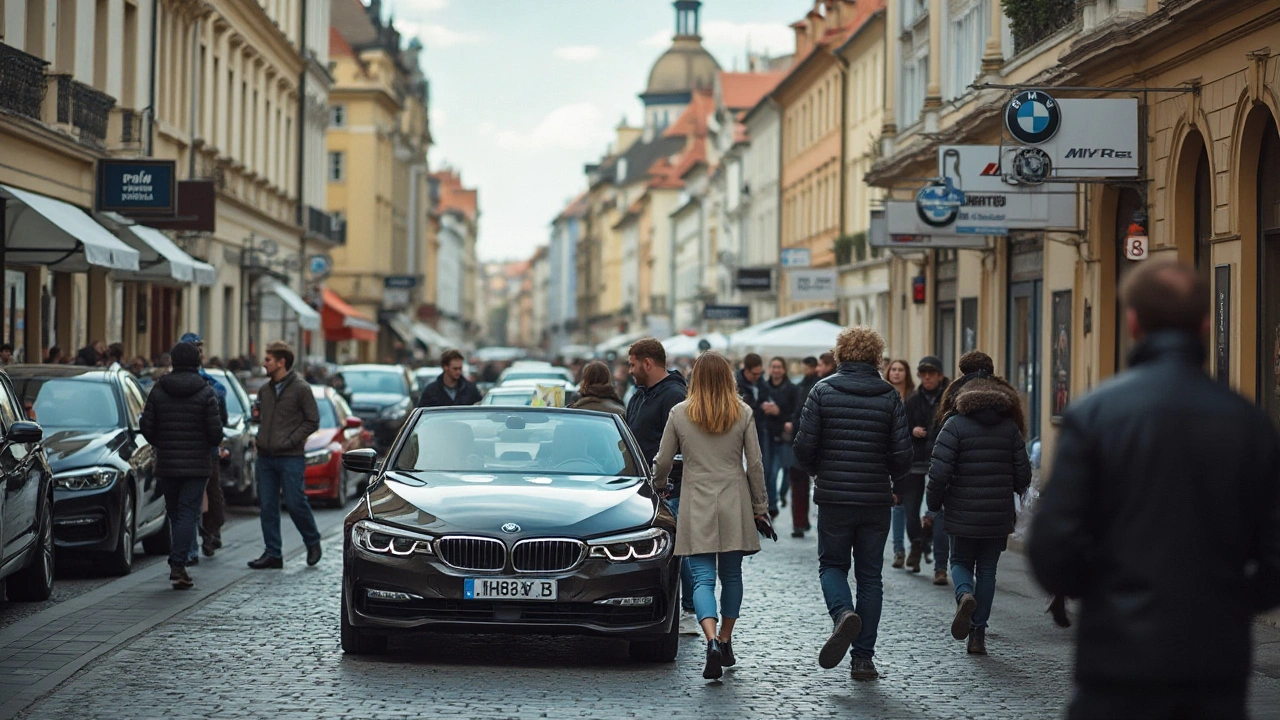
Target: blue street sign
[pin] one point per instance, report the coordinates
(137, 187)
(319, 265)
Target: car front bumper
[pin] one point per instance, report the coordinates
(87, 519)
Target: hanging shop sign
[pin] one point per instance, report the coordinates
(796, 257)
(898, 225)
(755, 279)
(319, 266)
(817, 284)
(136, 187)
(990, 205)
(726, 312)
(1070, 138)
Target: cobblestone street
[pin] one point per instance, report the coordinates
(267, 646)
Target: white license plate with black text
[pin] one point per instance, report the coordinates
(508, 589)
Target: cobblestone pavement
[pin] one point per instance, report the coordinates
(268, 647)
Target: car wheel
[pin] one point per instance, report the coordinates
(158, 544)
(120, 560)
(358, 641)
(34, 583)
(663, 650)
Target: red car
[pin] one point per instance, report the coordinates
(340, 431)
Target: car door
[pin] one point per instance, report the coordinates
(21, 480)
(142, 458)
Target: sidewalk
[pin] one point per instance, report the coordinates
(40, 652)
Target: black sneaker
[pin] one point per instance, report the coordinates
(964, 613)
(313, 554)
(837, 646)
(863, 669)
(714, 669)
(266, 562)
(179, 577)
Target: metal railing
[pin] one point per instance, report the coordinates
(326, 225)
(90, 112)
(22, 83)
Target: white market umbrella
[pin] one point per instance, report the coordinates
(802, 339)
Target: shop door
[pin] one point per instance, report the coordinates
(945, 339)
(1023, 350)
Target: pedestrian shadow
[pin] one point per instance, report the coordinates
(443, 650)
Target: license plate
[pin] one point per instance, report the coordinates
(505, 589)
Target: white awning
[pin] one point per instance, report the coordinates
(810, 337)
(618, 342)
(160, 258)
(308, 318)
(434, 341)
(45, 231)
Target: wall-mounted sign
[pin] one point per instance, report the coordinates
(1033, 117)
(1080, 137)
(726, 312)
(1222, 323)
(994, 206)
(903, 228)
(796, 257)
(319, 266)
(401, 282)
(817, 284)
(136, 187)
(939, 203)
(755, 279)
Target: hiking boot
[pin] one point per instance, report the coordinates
(837, 646)
(977, 641)
(863, 669)
(960, 626)
(179, 577)
(899, 559)
(714, 669)
(913, 558)
(266, 562)
(940, 577)
(1058, 609)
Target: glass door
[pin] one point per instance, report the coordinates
(1023, 350)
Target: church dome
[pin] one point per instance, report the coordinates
(683, 68)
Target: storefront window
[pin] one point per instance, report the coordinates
(1026, 285)
(1269, 275)
(946, 269)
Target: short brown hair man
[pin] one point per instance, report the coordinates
(450, 389)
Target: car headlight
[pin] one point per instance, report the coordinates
(319, 457)
(91, 478)
(382, 539)
(391, 412)
(648, 544)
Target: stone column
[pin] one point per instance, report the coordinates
(221, 105)
(993, 56)
(234, 129)
(933, 92)
(208, 106)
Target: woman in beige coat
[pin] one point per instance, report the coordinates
(719, 499)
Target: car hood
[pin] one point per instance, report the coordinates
(379, 400)
(572, 506)
(68, 449)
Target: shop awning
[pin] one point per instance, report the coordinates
(343, 322)
(809, 337)
(308, 318)
(160, 259)
(619, 342)
(40, 230)
(434, 341)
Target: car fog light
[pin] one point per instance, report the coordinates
(627, 601)
(390, 596)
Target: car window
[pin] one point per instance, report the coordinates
(375, 381)
(235, 403)
(64, 403)
(493, 441)
(133, 400)
(328, 416)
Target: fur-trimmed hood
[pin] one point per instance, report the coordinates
(988, 400)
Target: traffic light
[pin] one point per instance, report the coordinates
(917, 290)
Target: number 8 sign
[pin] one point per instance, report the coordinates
(1135, 242)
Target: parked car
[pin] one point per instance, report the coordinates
(106, 494)
(26, 525)
(535, 371)
(381, 396)
(517, 396)
(522, 384)
(340, 431)
(238, 471)
(525, 520)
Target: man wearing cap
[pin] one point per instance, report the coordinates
(214, 518)
(922, 419)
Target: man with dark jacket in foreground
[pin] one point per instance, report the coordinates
(853, 436)
(450, 389)
(1162, 514)
(183, 423)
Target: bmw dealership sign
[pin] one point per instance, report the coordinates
(1069, 138)
(1033, 117)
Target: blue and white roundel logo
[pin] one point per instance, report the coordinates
(939, 203)
(1032, 117)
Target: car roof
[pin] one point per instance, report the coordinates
(32, 370)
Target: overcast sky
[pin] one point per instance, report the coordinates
(523, 94)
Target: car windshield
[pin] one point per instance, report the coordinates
(389, 382)
(66, 403)
(512, 441)
(496, 397)
(234, 406)
(548, 374)
(328, 415)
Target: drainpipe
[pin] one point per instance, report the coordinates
(303, 218)
(151, 104)
(193, 123)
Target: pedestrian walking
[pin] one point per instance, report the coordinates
(722, 500)
(288, 415)
(754, 391)
(1161, 514)
(115, 355)
(450, 388)
(922, 414)
(979, 464)
(783, 394)
(6, 354)
(596, 391)
(657, 391)
(798, 477)
(182, 422)
(215, 515)
(853, 437)
(898, 374)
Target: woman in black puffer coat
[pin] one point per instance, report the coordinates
(979, 464)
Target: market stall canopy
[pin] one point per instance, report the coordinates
(159, 258)
(621, 342)
(809, 337)
(40, 230)
(343, 322)
(687, 345)
(739, 340)
(308, 318)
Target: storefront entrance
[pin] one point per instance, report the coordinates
(1269, 273)
(946, 269)
(1128, 204)
(1026, 286)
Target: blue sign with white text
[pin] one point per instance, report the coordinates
(137, 186)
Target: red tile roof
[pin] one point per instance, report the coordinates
(693, 121)
(741, 91)
(454, 197)
(338, 45)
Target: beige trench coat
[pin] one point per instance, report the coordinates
(719, 499)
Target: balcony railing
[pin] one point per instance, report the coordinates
(84, 108)
(326, 225)
(22, 82)
(1034, 20)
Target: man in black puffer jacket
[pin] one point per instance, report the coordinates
(853, 436)
(182, 420)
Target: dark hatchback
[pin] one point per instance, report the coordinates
(511, 520)
(381, 396)
(106, 494)
(26, 503)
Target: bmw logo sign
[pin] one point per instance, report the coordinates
(1031, 166)
(1032, 117)
(938, 204)
(510, 528)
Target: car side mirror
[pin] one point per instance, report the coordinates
(354, 422)
(23, 432)
(360, 461)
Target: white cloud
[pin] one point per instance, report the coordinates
(778, 39)
(486, 129)
(439, 118)
(578, 53)
(435, 36)
(413, 8)
(660, 39)
(570, 127)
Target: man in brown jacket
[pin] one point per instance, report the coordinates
(288, 415)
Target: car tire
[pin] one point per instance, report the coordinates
(662, 650)
(120, 561)
(358, 641)
(34, 583)
(159, 542)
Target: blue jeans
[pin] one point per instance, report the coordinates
(898, 528)
(982, 554)
(686, 576)
(274, 473)
(860, 532)
(779, 461)
(182, 497)
(704, 568)
(941, 542)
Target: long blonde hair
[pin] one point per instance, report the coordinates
(713, 401)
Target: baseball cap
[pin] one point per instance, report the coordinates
(192, 338)
(929, 362)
